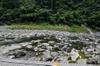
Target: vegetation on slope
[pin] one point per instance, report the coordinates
(46, 26)
(67, 12)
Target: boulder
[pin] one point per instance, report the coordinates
(74, 54)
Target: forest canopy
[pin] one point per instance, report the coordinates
(68, 12)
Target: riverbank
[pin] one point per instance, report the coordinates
(59, 27)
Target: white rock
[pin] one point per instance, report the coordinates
(12, 56)
(74, 54)
(49, 47)
(36, 41)
(89, 50)
(36, 48)
(51, 42)
(29, 46)
(24, 44)
(45, 44)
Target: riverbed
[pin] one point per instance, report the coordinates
(46, 45)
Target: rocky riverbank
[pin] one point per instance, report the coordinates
(44, 45)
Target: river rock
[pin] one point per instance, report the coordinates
(54, 54)
(74, 54)
(29, 46)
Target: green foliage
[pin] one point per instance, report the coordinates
(46, 26)
(52, 11)
(82, 54)
(71, 62)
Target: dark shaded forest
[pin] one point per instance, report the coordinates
(79, 12)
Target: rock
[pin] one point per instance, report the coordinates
(41, 50)
(64, 48)
(92, 61)
(49, 59)
(18, 40)
(43, 47)
(36, 41)
(49, 47)
(45, 44)
(29, 46)
(73, 37)
(18, 54)
(81, 61)
(36, 49)
(63, 60)
(90, 50)
(25, 44)
(74, 54)
(54, 54)
(10, 37)
(51, 42)
(11, 57)
(47, 53)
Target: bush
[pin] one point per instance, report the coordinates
(52, 11)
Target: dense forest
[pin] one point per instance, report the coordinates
(68, 12)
